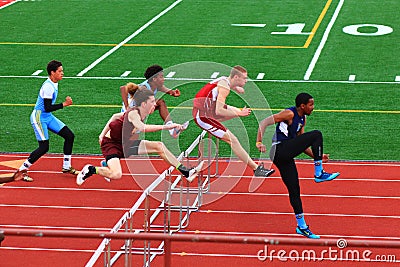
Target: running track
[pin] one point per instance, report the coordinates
(362, 203)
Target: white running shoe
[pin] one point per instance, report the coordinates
(83, 175)
(195, 171)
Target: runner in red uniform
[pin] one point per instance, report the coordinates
(119, 139)
(210, 109)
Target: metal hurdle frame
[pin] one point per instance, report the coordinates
(126, 222)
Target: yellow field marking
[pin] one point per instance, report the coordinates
(12, 163)
(258, 109)
(316, 26)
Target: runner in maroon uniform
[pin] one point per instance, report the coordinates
(210, 109)
(121, 135)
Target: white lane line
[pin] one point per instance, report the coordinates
(252, 194)
(97, 61)
(323, 41)
(291, 214)
(283, 234)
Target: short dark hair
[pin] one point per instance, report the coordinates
(142, 95)
(53, 66)
(302, 98)
(152, 71)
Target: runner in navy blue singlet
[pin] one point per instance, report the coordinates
(289, 141)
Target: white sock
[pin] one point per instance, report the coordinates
(67, 162)
(26, 165)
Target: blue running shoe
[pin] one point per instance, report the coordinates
(325, 176)
(306, 232)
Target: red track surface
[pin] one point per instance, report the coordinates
(362, 203)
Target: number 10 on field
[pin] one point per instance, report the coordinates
(290, 29)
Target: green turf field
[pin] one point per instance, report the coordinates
(341, 52)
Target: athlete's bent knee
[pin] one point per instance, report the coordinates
(116, 175)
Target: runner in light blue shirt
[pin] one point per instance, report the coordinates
(155, 82)
(43, 120)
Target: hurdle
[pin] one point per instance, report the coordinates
(190, 200)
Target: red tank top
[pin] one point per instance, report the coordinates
(123, 129)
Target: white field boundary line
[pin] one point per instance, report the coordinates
(282, 234)
(97, 61)
(206, 79)
(323, 41)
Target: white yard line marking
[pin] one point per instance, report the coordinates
(323, 41)
(260, 76)
(352, 78)
(171, 74)
(36, 73)
(97, 61)
(126, 73)
(214, 75)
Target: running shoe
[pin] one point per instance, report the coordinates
(325, 176)
(191, 173)
(22, 175)
(306, 232)
(263, 172)
(70, 170)
(85, 173)
(175, 132)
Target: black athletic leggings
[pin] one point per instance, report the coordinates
(283, 155)
(65, 133)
